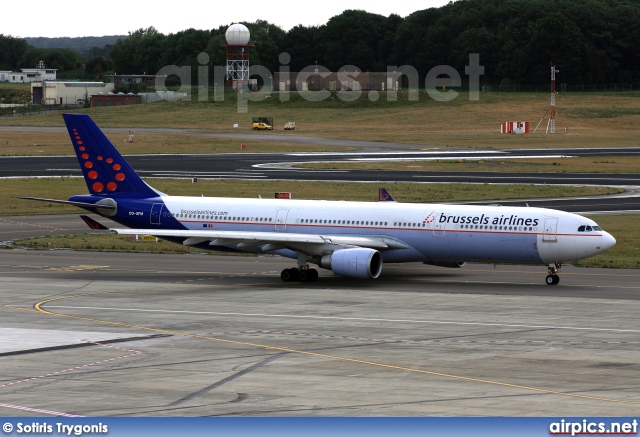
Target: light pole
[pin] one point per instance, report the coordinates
(316, 81)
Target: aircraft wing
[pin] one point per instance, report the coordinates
(307, 243)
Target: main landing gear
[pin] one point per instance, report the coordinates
(552, 277)
(299, 275)
(302, 273)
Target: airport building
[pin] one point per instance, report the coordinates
(111, 99)
(67, 93)
(28, 75)
(119, 80)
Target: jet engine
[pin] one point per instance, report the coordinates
(358, 263)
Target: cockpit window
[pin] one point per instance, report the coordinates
(587, 228)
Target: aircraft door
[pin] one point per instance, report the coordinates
(156, 212)
(440, 225)
(550, 229)
(281, 220)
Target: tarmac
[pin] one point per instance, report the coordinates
(122, 334)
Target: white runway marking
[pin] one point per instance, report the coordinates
(435, 152)
(452, 158)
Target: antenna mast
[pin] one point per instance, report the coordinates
(551, 124)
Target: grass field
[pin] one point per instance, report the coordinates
(27, 143)
(592, 119)
(618, 164)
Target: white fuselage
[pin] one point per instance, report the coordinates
(431, 232)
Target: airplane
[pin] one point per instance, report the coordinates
(352, 239)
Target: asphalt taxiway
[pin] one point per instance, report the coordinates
(96, 333)
(282, 166)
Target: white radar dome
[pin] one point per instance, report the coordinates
(237, 35)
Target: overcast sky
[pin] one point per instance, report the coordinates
(84, 18)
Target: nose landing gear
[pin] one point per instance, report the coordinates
(552, 277)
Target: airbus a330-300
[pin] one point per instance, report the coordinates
(353, 239)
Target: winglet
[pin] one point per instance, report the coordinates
(384, 196)
(93, 224)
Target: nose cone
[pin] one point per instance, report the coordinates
(607, 241)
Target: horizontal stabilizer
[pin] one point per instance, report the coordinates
(102, 206)
(93, 224)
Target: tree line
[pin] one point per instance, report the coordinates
(590, 42)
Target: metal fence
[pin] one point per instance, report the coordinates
(26, 110)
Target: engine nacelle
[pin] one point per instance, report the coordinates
(449, 264)
(358, 263)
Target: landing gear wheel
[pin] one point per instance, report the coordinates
(308, 275)
(285, 275)
(288, 275)
(552, 279)
(314, 275)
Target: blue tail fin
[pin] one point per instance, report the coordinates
(105, 170)
(384, 196)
